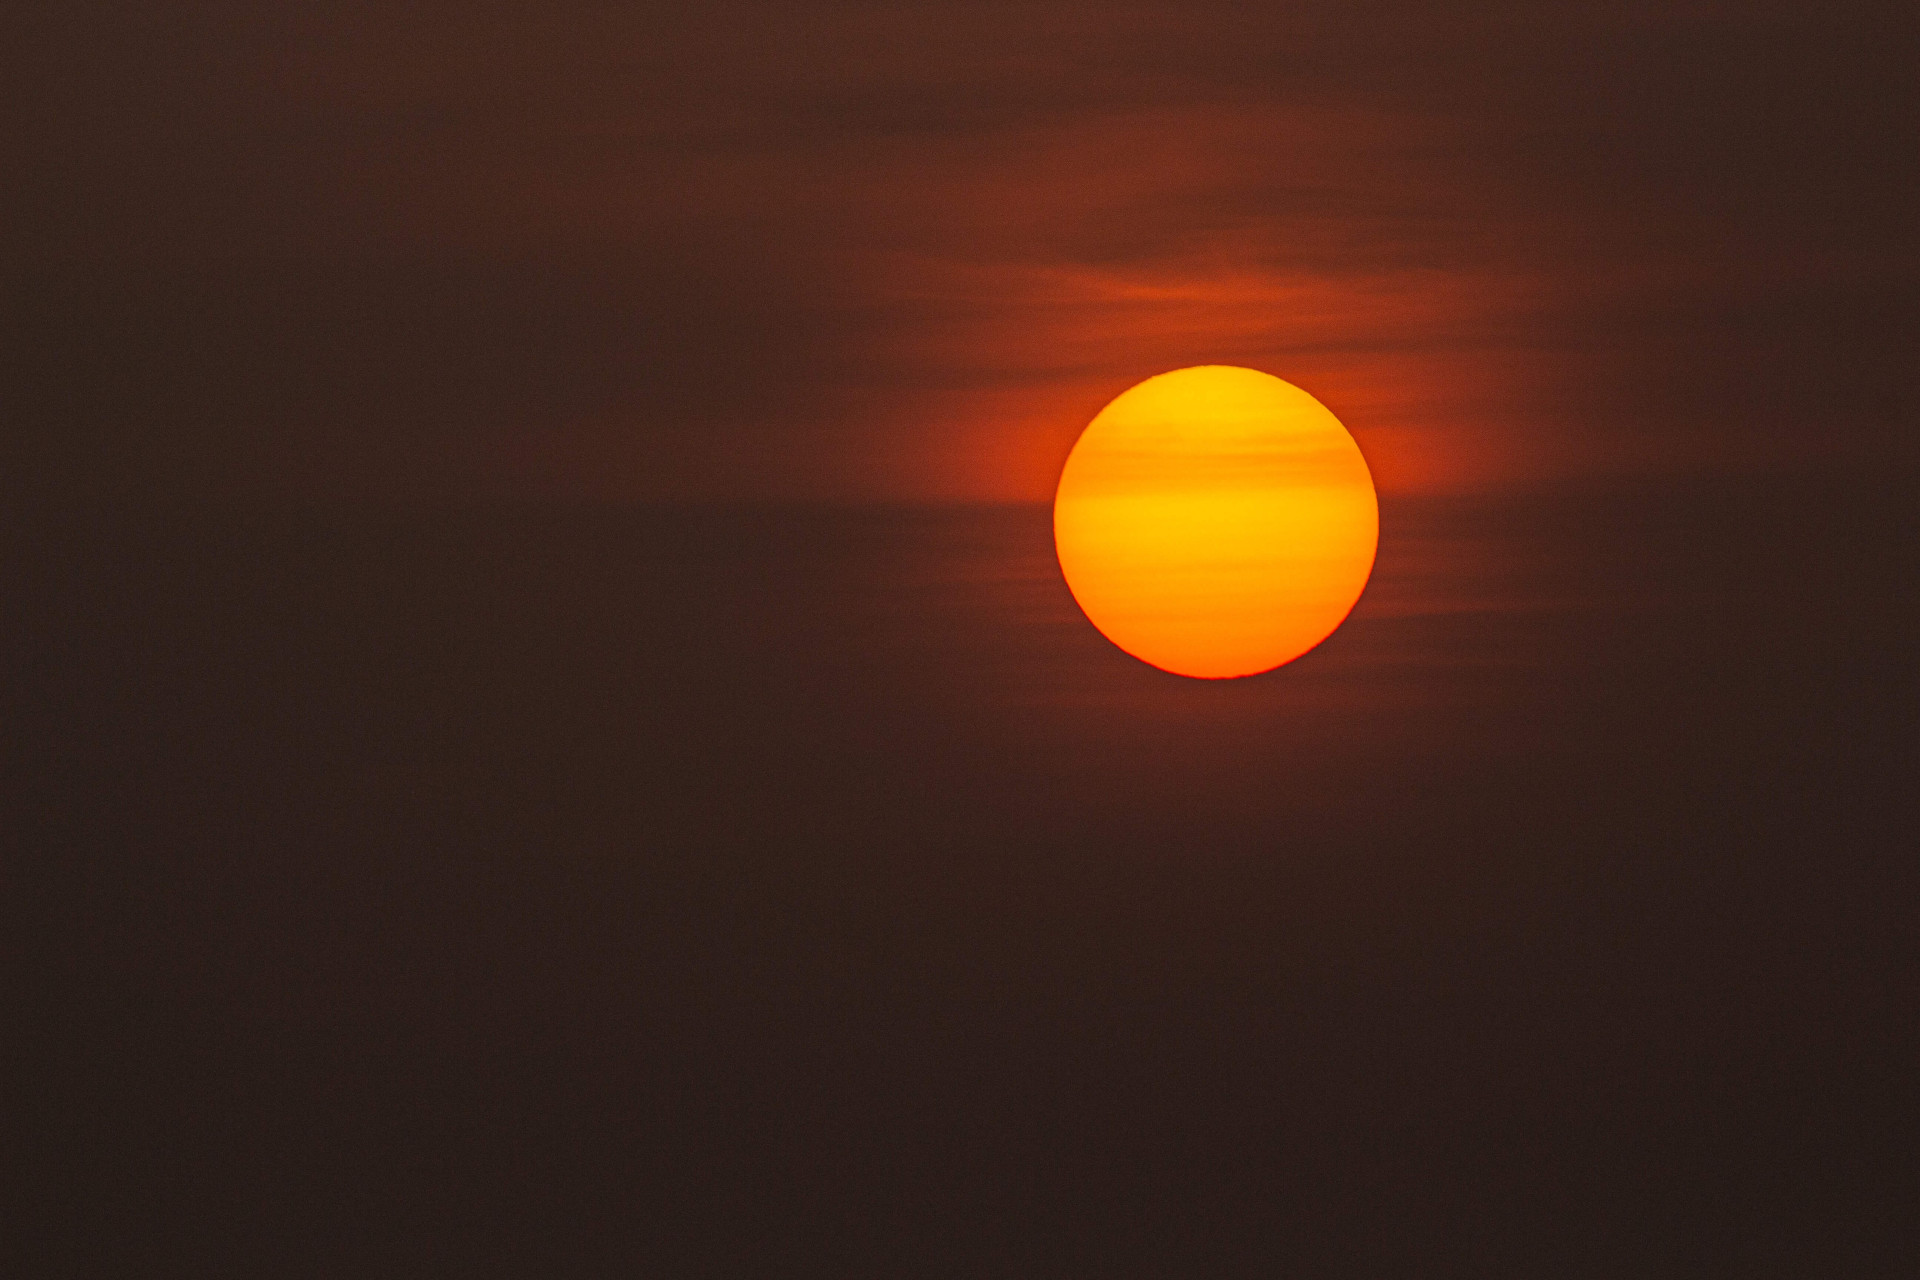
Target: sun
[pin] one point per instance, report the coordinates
(1216, 522)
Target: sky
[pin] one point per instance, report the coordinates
(546, 736)
(903, 253)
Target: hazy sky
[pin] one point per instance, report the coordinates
(436, 861)
(438, 250)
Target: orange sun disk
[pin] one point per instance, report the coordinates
(1216, 522)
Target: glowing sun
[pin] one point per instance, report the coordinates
(1216, 522)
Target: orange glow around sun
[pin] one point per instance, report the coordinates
(1216, 522)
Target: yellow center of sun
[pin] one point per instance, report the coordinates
(1216, 521)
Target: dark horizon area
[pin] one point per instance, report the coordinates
(593, 891)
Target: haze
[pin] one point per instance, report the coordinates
(549, 738)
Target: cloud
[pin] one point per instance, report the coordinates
(905, 251)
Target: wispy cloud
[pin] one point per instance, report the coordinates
(906, 251)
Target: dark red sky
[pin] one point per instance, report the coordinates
(431, 251)
(430, 858)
